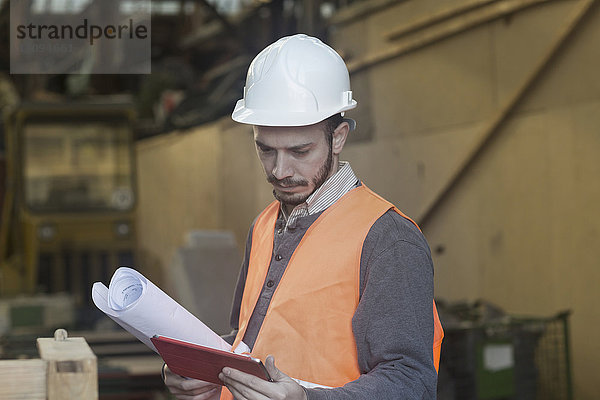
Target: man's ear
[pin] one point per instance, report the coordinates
(340, 134)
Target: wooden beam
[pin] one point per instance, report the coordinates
(66, 371)
(360, 10)
(72, 367)
(494, 124)
(442, 31)
(436, 17)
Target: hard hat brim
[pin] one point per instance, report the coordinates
(249, 116)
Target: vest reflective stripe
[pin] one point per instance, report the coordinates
(323, 276)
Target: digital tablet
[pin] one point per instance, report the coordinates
(204, 363)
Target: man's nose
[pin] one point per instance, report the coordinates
(283, 167)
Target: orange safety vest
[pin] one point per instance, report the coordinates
(308, 325)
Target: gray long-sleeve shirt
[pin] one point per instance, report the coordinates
(393, 323)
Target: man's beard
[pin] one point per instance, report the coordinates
(294, 199)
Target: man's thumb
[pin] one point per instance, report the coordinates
(273, 371)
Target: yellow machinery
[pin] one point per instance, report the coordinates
(68, 212)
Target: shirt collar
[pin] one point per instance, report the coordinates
(326, 195)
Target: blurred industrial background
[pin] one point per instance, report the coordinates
(478, 118)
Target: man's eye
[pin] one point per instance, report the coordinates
(300, 152)
(264, 149)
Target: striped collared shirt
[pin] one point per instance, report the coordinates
(330, 191)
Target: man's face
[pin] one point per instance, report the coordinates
(296, 160)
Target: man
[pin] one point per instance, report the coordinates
(336, 283)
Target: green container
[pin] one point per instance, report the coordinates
(495, 369)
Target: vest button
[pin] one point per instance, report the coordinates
(279, 231)
(278, 257)
(270, 283)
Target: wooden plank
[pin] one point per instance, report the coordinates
(442, 31)
(492, 127)
(23, 379)
(436, 17)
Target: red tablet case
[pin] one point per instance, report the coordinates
(204, 363)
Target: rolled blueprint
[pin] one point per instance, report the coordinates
(144, 310)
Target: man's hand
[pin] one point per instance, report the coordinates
(191, 389)
(248, 387)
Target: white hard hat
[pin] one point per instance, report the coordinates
(296, 81)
